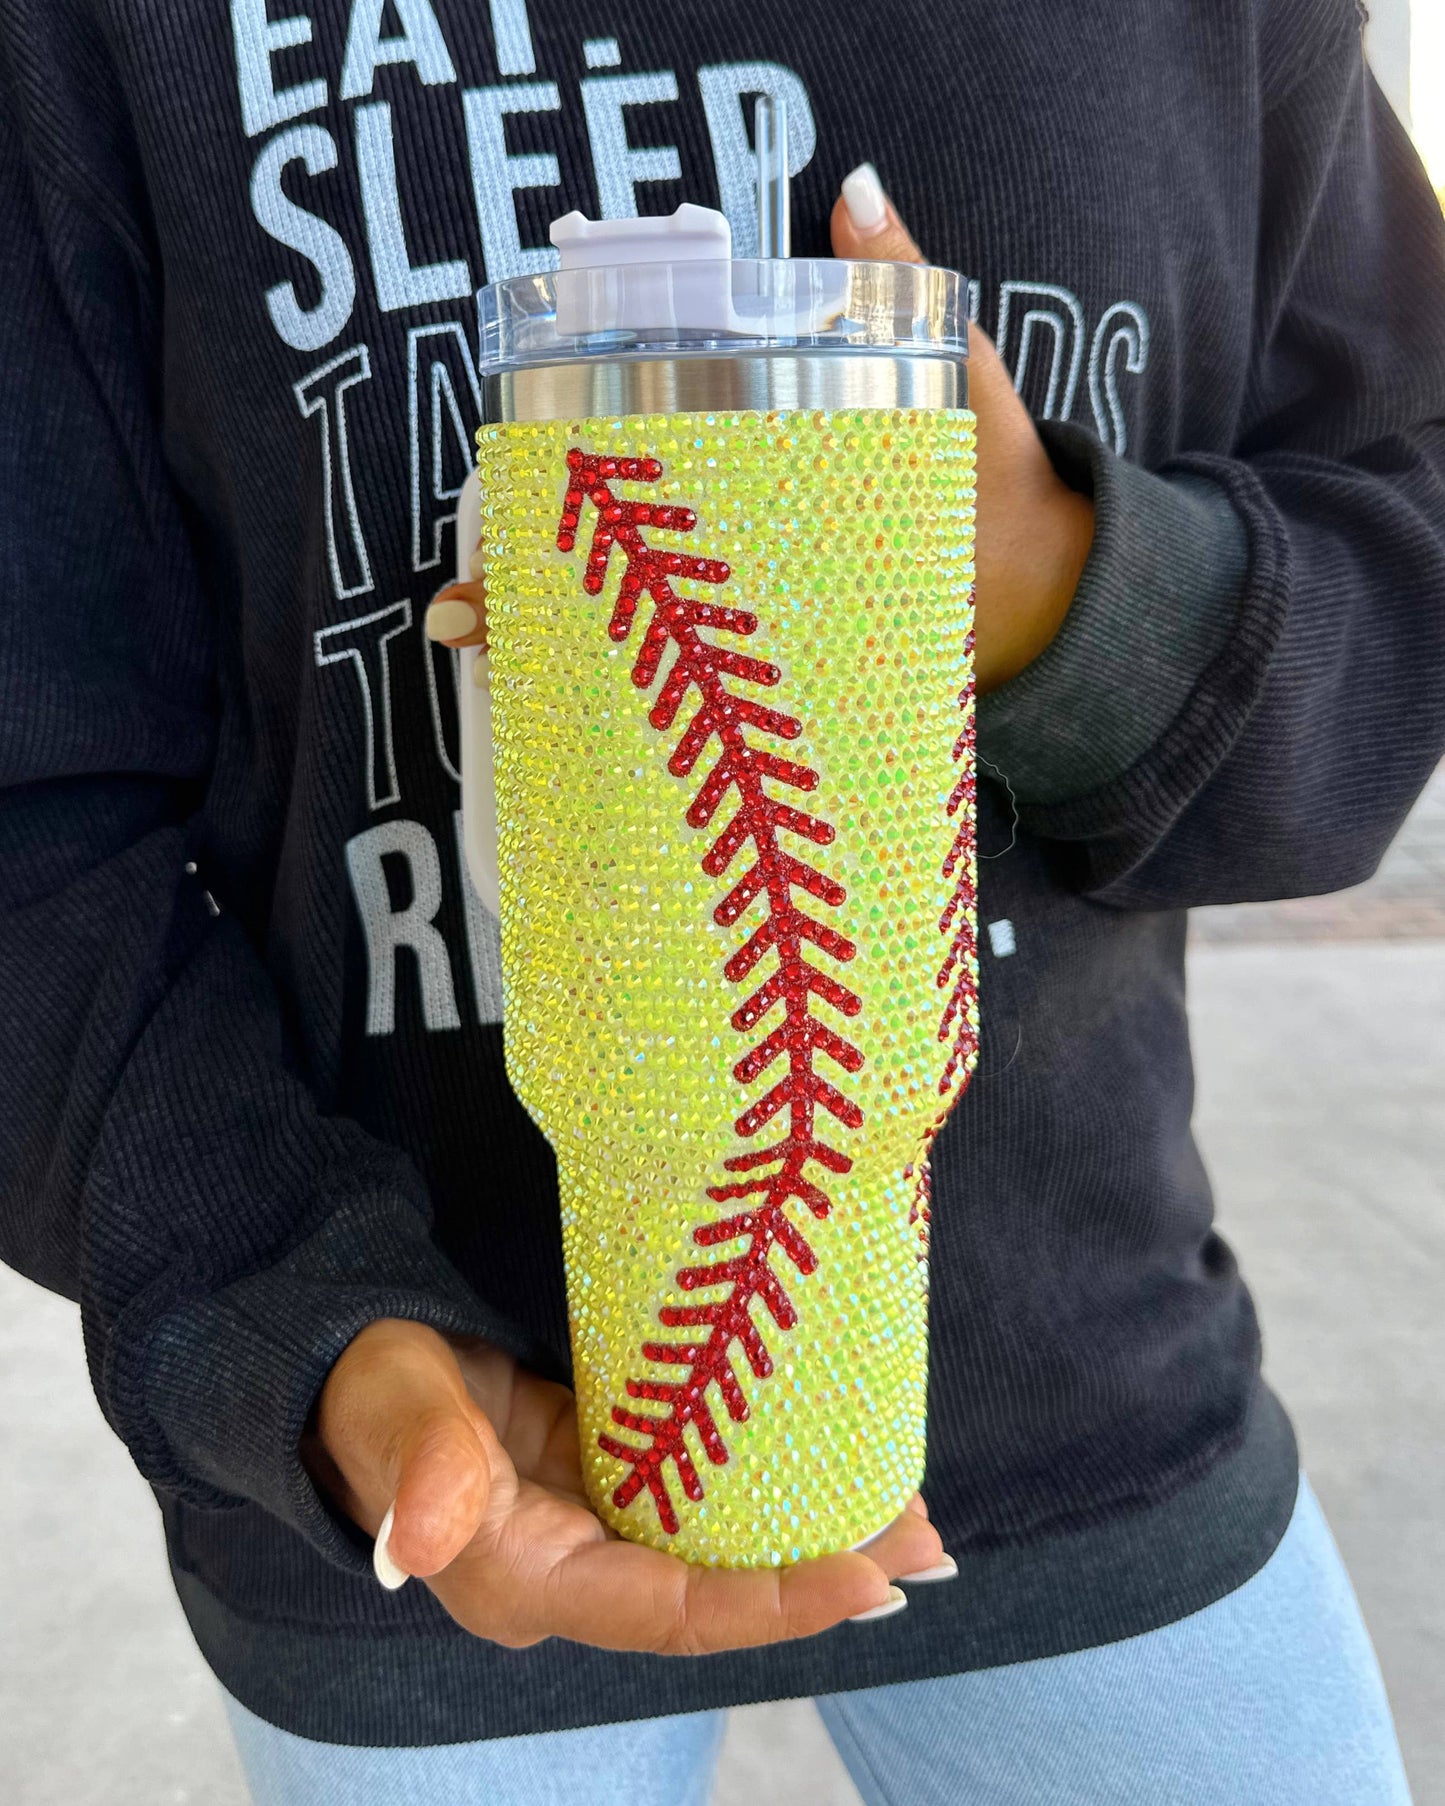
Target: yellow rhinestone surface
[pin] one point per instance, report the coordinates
(821, 575)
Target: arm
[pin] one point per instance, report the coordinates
(1247, 691)
(160, 1158)
(1280, 745)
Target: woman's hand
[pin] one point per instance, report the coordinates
(1034, 532)
(458, 616)
(480, 1465)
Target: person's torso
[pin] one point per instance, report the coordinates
(330, 186)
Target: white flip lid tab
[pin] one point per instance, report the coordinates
(639, 275)
(691, 235)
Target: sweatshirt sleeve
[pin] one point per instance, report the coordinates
(1250, 690)
(161, 1159)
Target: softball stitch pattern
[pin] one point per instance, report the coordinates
(789, 1170)
(959, 972)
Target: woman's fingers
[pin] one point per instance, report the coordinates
(620, 1595)
(623, 1596)
(866, 224)
(397, 1425)
(910, 1545)
(458, 615)
(549, 1569)
(991, 392)
(458, 618)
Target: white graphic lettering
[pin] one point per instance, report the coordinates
(445, 410)
(303, 328)
(421, 43)
(257, 40)
(1123, 329)
(512, 35)
(723, 87)
(602, 53)
(398, 283)
(365, 645)
(617, 166)
(323, 392)
(497, 174)
(387, 930)
(1044, 305)
(445, 722)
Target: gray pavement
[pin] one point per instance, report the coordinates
(1322, 1112)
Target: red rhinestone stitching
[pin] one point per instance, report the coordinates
(958, 973)
(786, 930)
(960, 965)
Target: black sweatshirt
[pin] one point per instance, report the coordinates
(251, 1093)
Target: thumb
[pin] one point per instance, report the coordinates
(866, 225)
(408, 1445)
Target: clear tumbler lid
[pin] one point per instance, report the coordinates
(667, 288)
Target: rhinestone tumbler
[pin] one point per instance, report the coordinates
(727, 523)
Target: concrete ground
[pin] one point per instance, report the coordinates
(1322, 1113)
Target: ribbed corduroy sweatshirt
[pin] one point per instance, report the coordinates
(252, 1094)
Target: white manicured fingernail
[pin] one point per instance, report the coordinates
(452, 620)
(481, 675)
(946, 1568)
(386, 1570)
(476, 564)
(865, 200)
(895, 1602)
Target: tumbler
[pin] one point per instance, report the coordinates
(727, 524)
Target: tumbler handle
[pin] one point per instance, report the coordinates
(479, 797)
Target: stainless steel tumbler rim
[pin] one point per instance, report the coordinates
(590, 389)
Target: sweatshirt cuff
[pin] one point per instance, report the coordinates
(231, 1379)
(1154, 607)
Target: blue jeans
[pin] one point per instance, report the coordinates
(1270, 1697)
